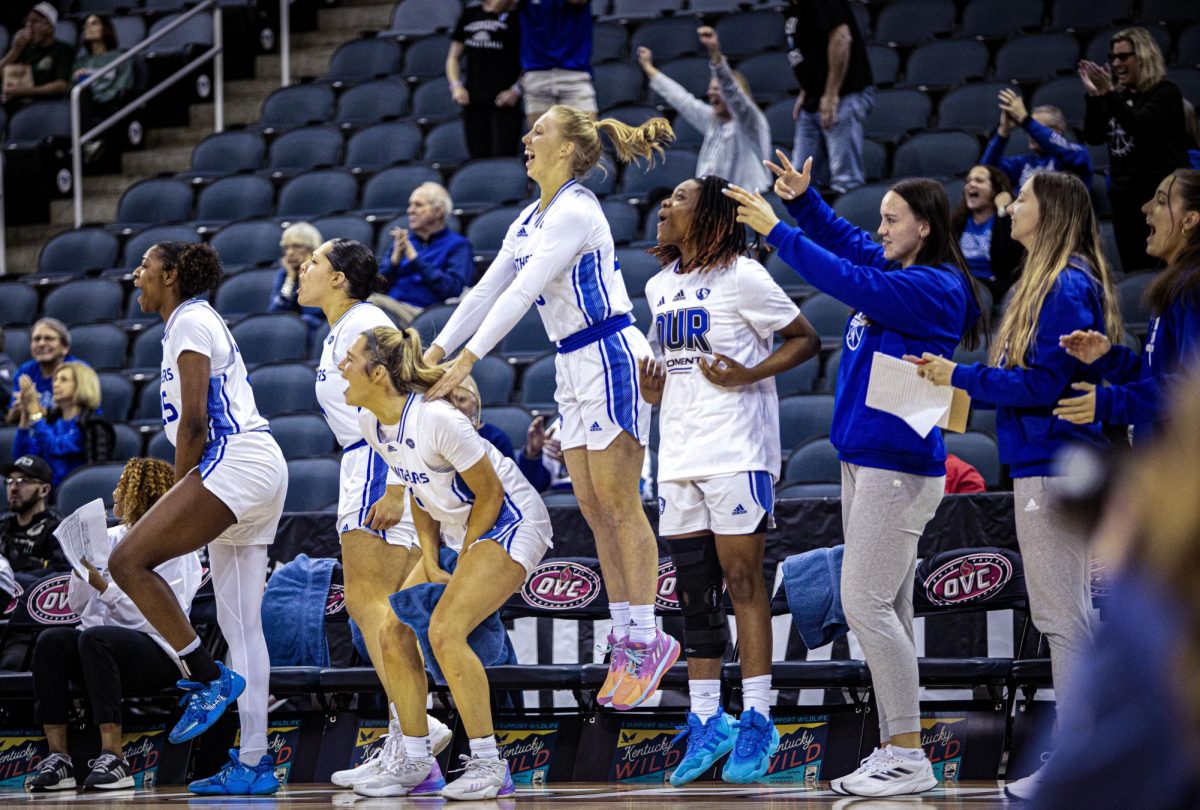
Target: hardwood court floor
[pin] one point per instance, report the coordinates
(576, 796)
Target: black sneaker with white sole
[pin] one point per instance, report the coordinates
(109, 772)
(55, 772)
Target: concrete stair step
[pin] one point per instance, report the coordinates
(173, 136)
(237, 111)
(96, 208)
(106, 184)
(21, 259)
(323, 38)
(373, 17)
(253, 89)
(31, 235)
(149, 162)
(310, 62)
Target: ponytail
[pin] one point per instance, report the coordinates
(630, 143)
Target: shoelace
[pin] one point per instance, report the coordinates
(53, 762)
(883, 762)
(635, 659)
(399, 767)
(751, 737)
(477, 767)
(103, 762)
(866, 764)
(698, 734)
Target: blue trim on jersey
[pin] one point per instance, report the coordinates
(220, 421)
(593, 334)
(633, 378)
(403, 418)
(460, 489)
(213, 453)
(229, 405)
(762, 490)
(373, 489)
(620, 383)
(585, 275)
(507, 523)
(542, 215)
(355, 446)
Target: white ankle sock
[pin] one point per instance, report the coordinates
(706, 698)
(642, 628)
(915, 754)
(418, 747)
(484, 747)
(756, 694)
(620, 619)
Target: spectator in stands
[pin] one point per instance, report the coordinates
(108, 94)
(962, 477)
(37, 65)
(428, 262)
(542, 463)
(113, 652)
(1065, 285)
(737, 136)
(70, 434)
(1139, 114)
(837, 91)
(490, 36)
(49, 347)
(1049, 148)
(1136, 386)
(466, 398)
(8, 371)
(298, 241)
(1193, 129)
(984, 230)
(27, 532)
(556, 56)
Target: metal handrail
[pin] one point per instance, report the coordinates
(285, 42)
(215, 54)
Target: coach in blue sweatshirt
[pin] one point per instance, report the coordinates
(912, 294)
(1049, 149)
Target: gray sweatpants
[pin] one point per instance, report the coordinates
(883, 515)
(1057, 576)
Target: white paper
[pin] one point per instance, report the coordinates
(895, 388)
(83, 535)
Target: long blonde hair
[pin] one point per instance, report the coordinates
(402, 356)
(630, 143)
(1066, 233)
(1152, 69)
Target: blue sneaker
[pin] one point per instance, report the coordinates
(706, 743)
(205, 703)
(757, 741)
(238, 779)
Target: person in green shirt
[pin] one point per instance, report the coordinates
(50, 60)
(99, 41)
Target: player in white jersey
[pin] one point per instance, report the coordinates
(466, 494)
(379, 543)
(559, 255)
(231, 481)
(716, 313)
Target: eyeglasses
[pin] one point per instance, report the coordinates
(19, 482)
(1120, 57)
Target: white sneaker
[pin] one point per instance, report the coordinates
(481, 779)
(1023, 789)
(864, 767)
(392, 748)
(411, 776)
(891, 775)
(440, 734)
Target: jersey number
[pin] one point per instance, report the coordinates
(169, 412)
(682, 329)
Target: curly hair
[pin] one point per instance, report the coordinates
(198, 264)
(143, 482)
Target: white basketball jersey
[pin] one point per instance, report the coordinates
(706, 429)
(331, 386)
(196, 327)
(426, 452)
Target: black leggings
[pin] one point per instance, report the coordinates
(107, 662)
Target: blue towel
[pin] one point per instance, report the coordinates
(812, 582)
(293, 612)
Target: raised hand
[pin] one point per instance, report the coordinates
(1086, 346)
(645, 60)
(535, 437)
(753, 209)
(458, 371)
(710, 41)
(789, 183)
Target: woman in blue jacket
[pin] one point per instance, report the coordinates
(1064, 286)
(1135, 394)
(910, 295)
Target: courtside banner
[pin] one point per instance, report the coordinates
(142, 748)
(531, 749)
(21, 749)
(812, 747)
(294, 743)
(644, 750)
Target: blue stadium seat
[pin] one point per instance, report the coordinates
(85, 301)
(18, 304)
(302, 435)
(317, 194)
(430, 322)
(312, 482)
(815, 462)
(946, 62)
(801, 379)
(128, 442)
(146, 357)
(248, 244)
(512, 419)
(116, 395)
(686, 135)
(101, 6)
(130, 30)
(602, 180)
(495, 379)
(1088, 14)
(296, 106)
(1188, 81)
(420, 18)
(382, 145)
(770, 77)
(874, 160)
(1131, 291)
(829, 372)
(907, 22)
(273, 338)
(224, 153)
(34, 124)
(898, 112)
(1063, 93)
(235, 198)
(885, 64)
(1167, 11)
(783, 128)
(1033, 57)
(197, 30)
(303, 149)
(608, 42)
(425, 58)
(345, 227)
(936, 154)
(486, 232)
(977, 449)
(982, 420)
(100, 345)
(860, 206)
(446, 145)
(383, 239)
(745, 33)
(486, 183)
(964, 355)
(527, 339)
(432, 102)
(154, 202)
(973, 107)
(669, 38)
(1188, 47)
(78, 252)
(246, 293)
(640, 183)
(637, 268)
(538, 383)
(800, 489)
(805, 417)
(827, 315)
(692, 72)
(87, 484)
(640, 311)
(787, 278)
(285, 388)
(994, 19)
(632, 114)
(361, 60)
(137, 245)
(371, 102)
(389, 190)
(633, 10)
(617, 83)
(160, 447)
(622, 220)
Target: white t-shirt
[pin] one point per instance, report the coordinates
(561, 259)
(331, 386)
(706, 429)
(196, 327)
(426, 452)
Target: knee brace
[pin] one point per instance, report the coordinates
(698, 581)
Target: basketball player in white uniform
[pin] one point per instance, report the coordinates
(231, 481)
(558, 254)
(379, 543)
(466, 494)
(716, 313)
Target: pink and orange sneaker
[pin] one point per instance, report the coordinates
(616, 668)
(645, 665)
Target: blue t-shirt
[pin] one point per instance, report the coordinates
(976, 244)
(556, 34)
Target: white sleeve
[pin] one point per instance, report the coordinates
(696, 112)
(454, 438)
(761, 302)
(195, 333)
(562, 239)
(474, 307)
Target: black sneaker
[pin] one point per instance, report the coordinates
(109, 772)
(55, 772)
